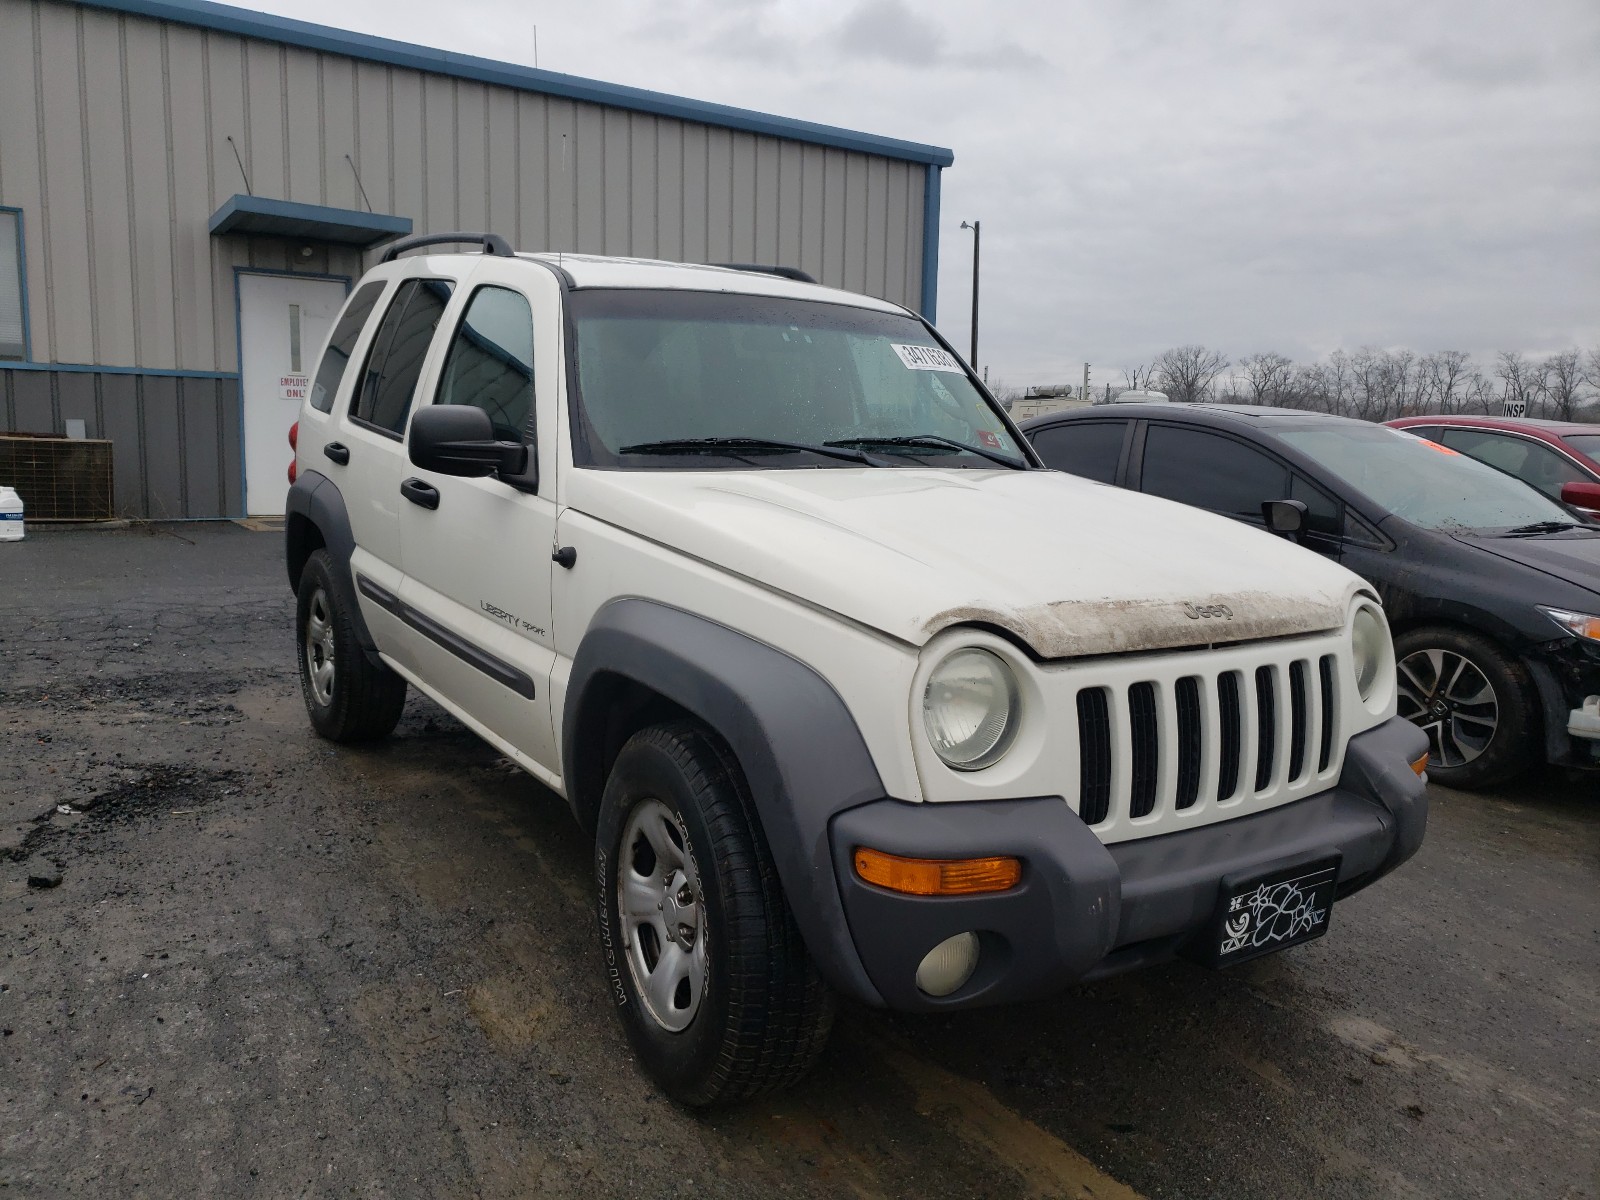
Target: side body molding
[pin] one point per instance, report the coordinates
(799, 747)
(315, 507)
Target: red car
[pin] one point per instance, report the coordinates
(1560, 458)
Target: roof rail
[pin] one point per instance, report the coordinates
(794, 273)
(492, 243)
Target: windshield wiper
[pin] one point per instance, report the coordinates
(1544, 527)
(734, 446)
(935, 439)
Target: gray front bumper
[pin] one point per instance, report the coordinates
(1084, 909)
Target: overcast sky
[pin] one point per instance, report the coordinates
(1255, 175)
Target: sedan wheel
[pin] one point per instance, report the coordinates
(1449, 697)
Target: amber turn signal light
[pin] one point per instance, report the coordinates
(1420, 765)
(937, 876)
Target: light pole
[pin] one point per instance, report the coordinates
(977, 235)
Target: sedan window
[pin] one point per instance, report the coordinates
(1210, 471)
(1091, 449)
(1529, 461)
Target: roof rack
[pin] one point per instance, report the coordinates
(492, 243)
(794, 273)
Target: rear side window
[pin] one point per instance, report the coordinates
(383, 399)
(491, 361)
(1091, 449)
(1528, 460)
(330, 372)
(1211, 471)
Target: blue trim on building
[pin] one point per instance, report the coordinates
(262, 217)
(227, 19)
(22, 273)
(90, 369)
(930, 244)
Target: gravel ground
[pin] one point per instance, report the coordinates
(239, 961)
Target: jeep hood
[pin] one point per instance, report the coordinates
(1068, 566)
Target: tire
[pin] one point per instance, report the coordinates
(348, 698)
(1476, 702)
(728, 1005)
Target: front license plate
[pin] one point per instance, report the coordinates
(1258, 914)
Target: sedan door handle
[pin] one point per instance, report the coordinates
(337, 452)
(421, 493)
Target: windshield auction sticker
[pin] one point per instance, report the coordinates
(926, 358)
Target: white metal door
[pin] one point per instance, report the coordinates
(283, 322)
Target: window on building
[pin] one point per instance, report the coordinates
(1211, 471)
(330, 373)
(398, 349)
(1092, 449)
(491, 361)
(13, 327)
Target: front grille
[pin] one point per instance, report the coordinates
(1232, 745)
(1297, 718)
(1191, 741)
(1266, 727)
(1094, 755)
(1242, 735)
(1146, 748)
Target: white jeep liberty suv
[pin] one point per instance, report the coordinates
(854, 696)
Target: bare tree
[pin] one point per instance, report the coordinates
(1563, 385)
(1443, 381)
(1186, 373)
(1521, 381)
(1139, 378)
(1268, 375)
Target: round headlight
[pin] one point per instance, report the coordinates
(1369, 640)
(970, 708)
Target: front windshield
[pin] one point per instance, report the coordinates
(1423, 482)
(711, 379)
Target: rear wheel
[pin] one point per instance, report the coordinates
(1476, 703)
(348, 697)
(707, 970)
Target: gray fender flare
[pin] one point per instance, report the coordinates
(316, 506)
(801, 753)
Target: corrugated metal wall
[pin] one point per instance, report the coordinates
(114, 142)
(176, 442)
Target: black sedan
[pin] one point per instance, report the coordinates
(1492, 590)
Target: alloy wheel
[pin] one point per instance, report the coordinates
(1452, 700)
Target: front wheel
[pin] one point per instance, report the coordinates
(707, 970)
(1475, 701)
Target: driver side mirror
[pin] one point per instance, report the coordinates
(1286, 518)
(1585, 497)
(458, 439)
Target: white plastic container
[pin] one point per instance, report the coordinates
(11, 523)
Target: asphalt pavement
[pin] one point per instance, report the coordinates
(243, 962)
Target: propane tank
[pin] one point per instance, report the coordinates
(11, 523)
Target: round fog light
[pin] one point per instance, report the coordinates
(949, 965)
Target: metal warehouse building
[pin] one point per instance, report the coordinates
(188, 190)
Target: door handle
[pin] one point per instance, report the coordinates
(337, 452)
(421, 493)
